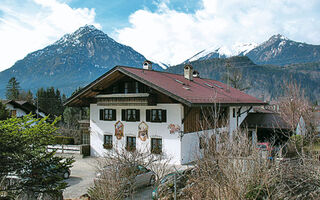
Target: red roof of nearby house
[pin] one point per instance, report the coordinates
(197, 91)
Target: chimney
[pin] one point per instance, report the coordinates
(147, 65)
(196, 74)
(188, 72)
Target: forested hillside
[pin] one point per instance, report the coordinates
(264, 81)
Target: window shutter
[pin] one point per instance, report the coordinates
(148, 117)
(101, 114)
(114, 114)
(138, 115)
(123, 115)
(164, 115)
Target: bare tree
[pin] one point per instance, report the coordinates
(234, 77)
(118, 171)
(236, 169)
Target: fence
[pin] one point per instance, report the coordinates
(83, 149)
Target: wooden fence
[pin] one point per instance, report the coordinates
(83, 149)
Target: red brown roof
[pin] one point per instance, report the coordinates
(198, 91)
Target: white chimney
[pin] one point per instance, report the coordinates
(196, 74)
(147, 65)
(188, 72)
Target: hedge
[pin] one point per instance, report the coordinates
(63, 140)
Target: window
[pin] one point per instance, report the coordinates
(115, 89)
(107, 142)
(233, 112)
(85, 138)
(13, 113)
(156, 115)
(108, 114)
(131, 143)
(137, 87)
(156, 145)
(131, 115)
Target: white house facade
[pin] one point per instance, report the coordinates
(21, 108)
(158, 112)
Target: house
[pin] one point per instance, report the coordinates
(22, 108)
(158, 111)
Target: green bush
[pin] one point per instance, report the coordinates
(63, 140)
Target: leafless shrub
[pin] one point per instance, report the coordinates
(233, 168)
(118, 172)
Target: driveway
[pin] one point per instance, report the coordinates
(82, 174)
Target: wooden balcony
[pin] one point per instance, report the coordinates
(130, 99)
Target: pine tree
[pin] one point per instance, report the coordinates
(50, 101)
(4, 113)
(13, 88)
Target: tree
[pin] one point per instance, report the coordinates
(234, 78)
(23, 143)
(50, 101)
(293, 104)
(26, 96)
(118, 171)
(13, 88)
(4, 113)
(71, 115)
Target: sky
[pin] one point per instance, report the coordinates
(169, 31)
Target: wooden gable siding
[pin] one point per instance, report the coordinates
(191, 119)
(202, 118)
(154, 98)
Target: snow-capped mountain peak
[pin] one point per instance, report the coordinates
(222, 51)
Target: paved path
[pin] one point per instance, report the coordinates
(82, 174)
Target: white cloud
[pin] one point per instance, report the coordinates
(171, 36)
(33, 24)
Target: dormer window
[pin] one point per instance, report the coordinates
(126, 87)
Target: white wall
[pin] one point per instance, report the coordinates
(190, 149)
(20, 112)
(170, 142)
(233, 124)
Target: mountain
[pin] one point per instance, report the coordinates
(279, 50)
(264, 81)
(74, 60)
(221, 52)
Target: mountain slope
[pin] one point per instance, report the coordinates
(221, 52)
(279, 50)
(74, 60)
(265, 81)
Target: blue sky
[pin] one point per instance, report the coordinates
(114, 14)
(169, 31)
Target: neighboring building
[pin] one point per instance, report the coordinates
(313, 122)
(158, 111)
(22, 108)
(266, 126)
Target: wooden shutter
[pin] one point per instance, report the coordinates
(123, 115)
(137, 115)
(101, 114)
(164, 115)
(114, 114)
(148, 117)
